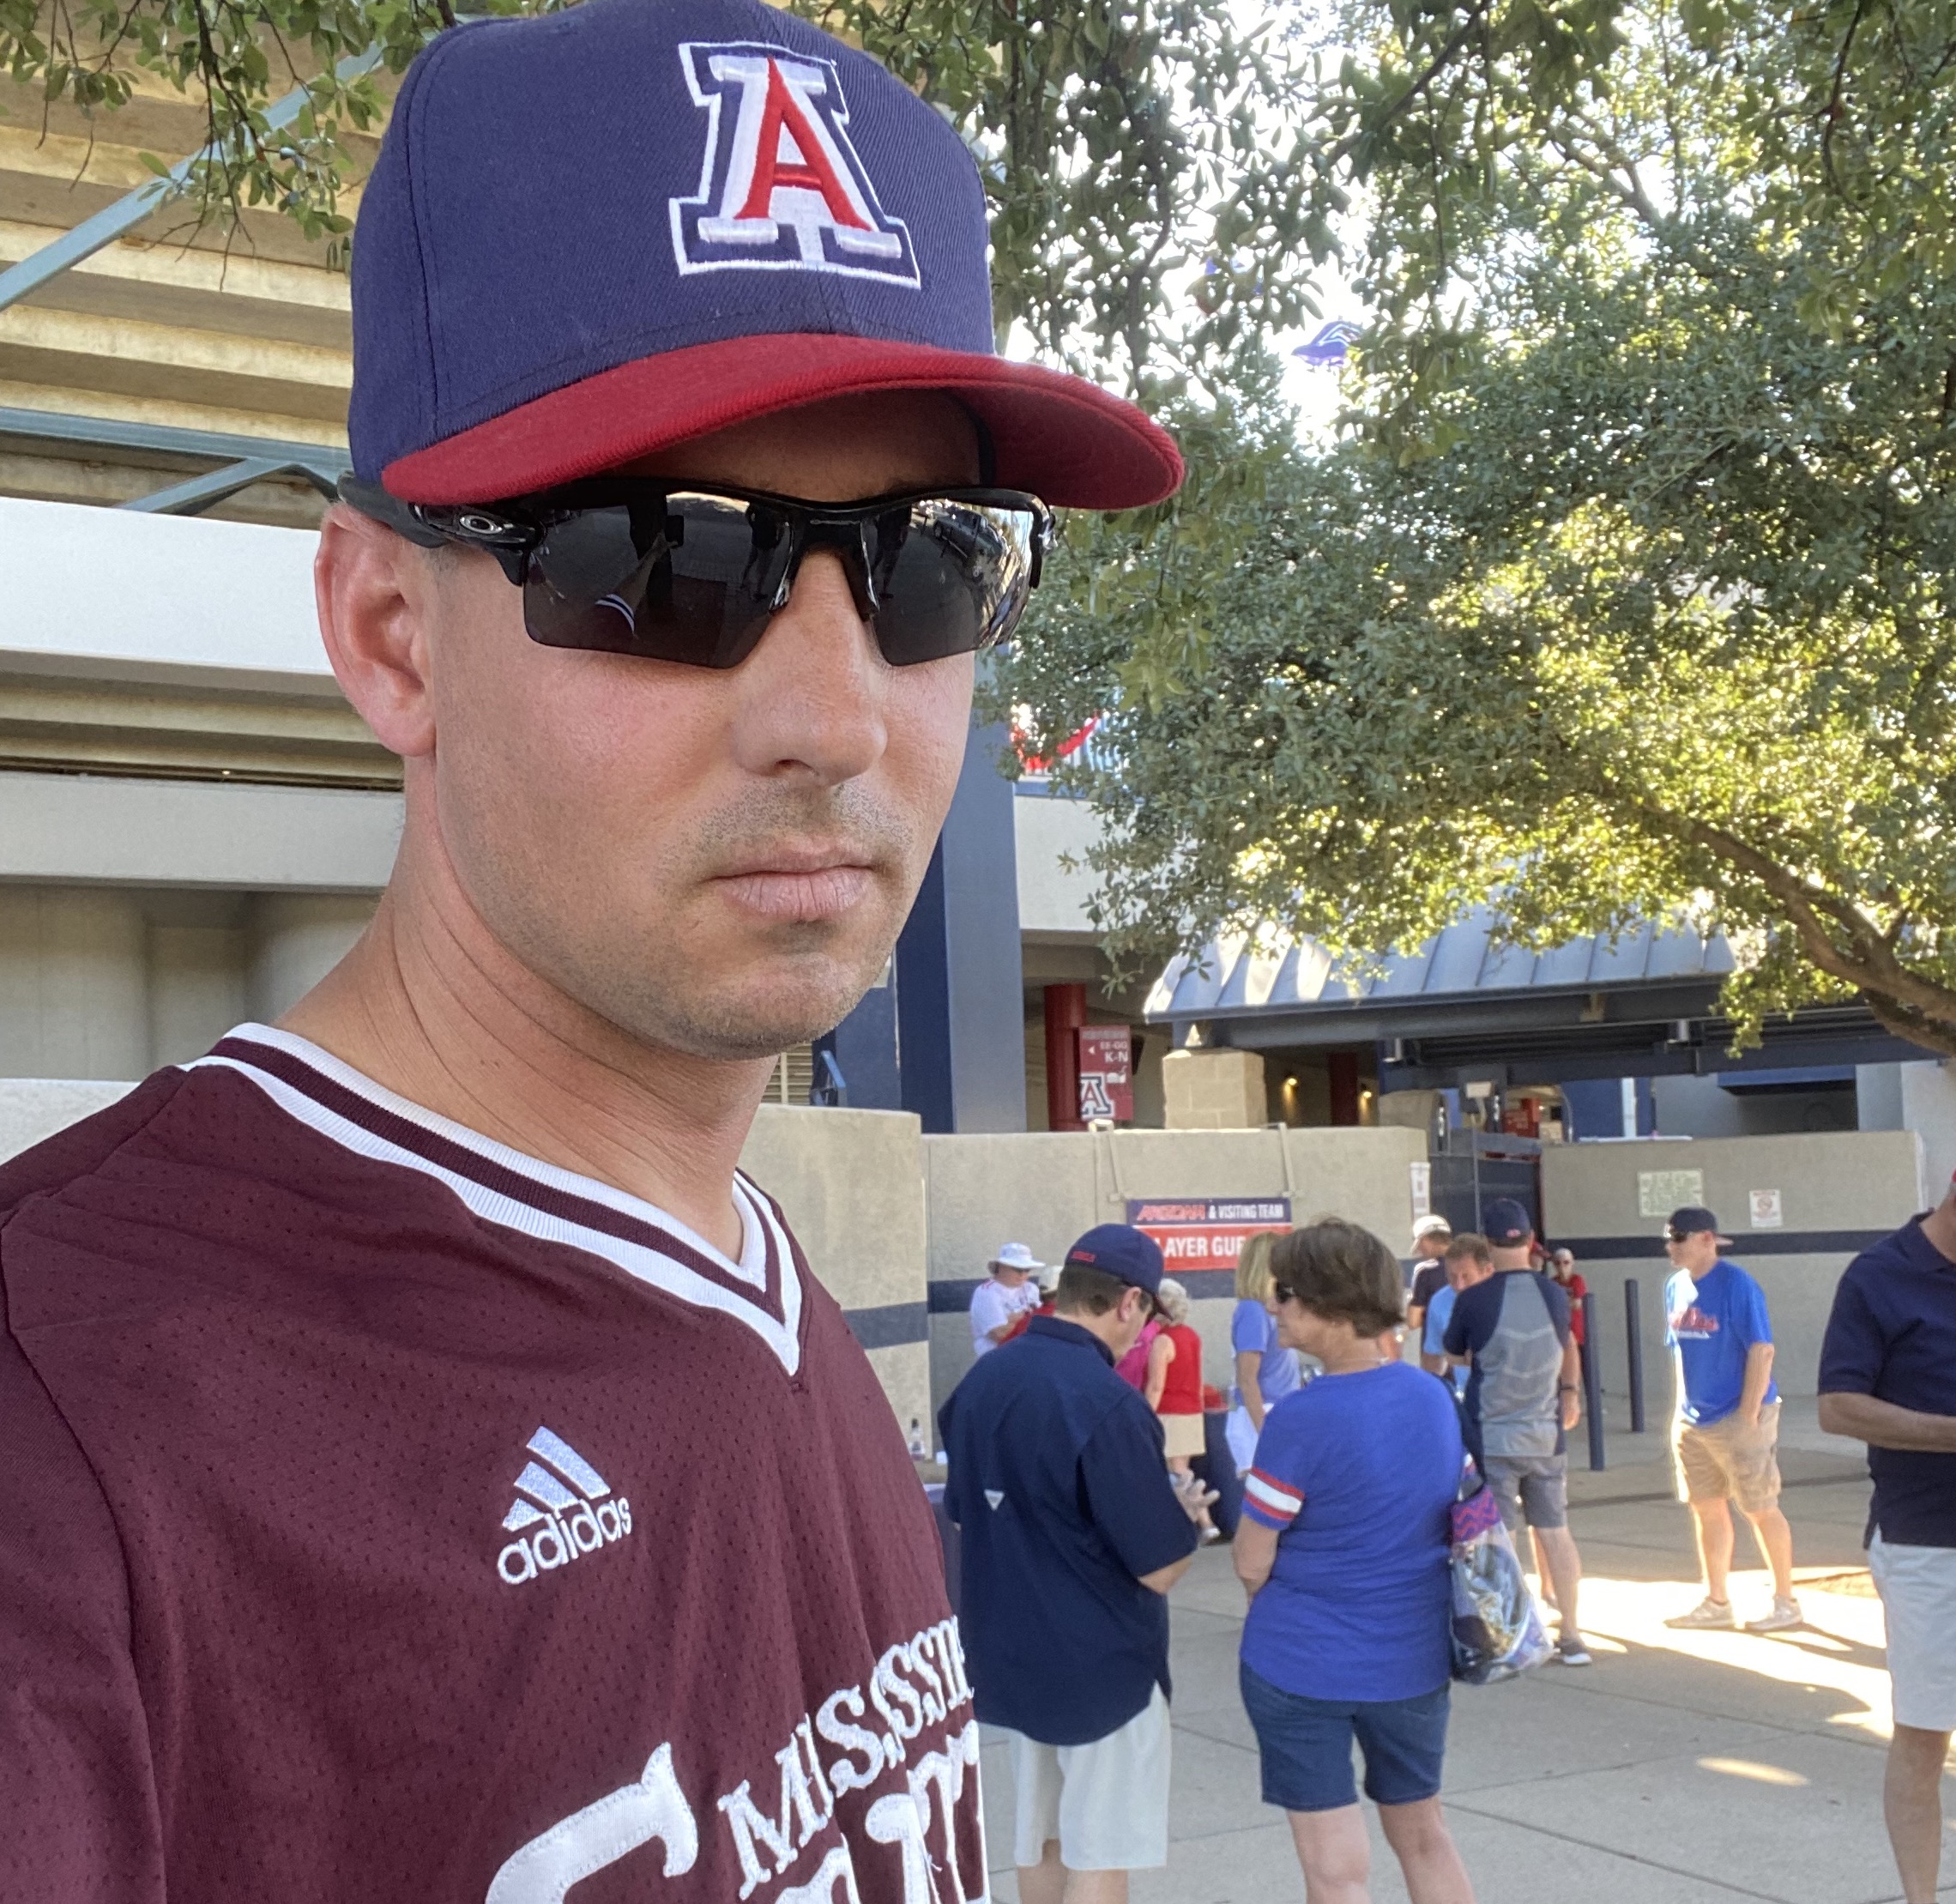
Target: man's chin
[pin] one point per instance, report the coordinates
(757, 1014)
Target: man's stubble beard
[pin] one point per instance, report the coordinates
(654, 988)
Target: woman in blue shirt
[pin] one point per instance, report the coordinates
(1342, 1548)
(1266, 1368)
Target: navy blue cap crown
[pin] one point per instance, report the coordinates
(557, 197)
(1504, 1222)
(1116, 1249)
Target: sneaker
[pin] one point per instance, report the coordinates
(1784, 1613)
(1708, 1612)
(1572, 1652)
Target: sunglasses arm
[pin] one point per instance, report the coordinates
(429, 527)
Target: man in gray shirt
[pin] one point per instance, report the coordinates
(1512, 1330)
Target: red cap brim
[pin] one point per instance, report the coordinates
(1067, 441)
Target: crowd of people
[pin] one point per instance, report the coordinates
(1073, 1477)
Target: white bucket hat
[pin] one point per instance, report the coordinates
(1018, 1256)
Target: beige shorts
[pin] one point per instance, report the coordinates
(1106, 1802)
(1183, 1434)
(1730, 1461)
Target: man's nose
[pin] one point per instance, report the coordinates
(813, 692)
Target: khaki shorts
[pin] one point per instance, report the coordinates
(1106, 1802)
(1185, 1435)
(1730, 1461)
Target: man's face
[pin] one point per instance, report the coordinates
(1696, 1253)
(1431, 1246)
(1007, 1274)
(718, 861)
(1463, 1272)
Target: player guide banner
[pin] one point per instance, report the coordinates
(1198, 1234)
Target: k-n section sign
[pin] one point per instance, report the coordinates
(1197, 1234)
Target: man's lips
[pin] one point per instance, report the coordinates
(786, 892)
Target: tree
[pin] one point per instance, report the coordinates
(1626, 590)
(1124, 143)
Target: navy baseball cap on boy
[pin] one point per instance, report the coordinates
(1115, 1249)
(1505, 1224)
(592, 235)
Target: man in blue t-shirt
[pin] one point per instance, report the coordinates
(1062, 1496)
(1728, 1421)
(1888, 1378)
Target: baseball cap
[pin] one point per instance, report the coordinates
(1434, 1225)
(1118, 1250)
(1505, 1223)
(1018, 1256)
(1688, 1219)
(591, 235)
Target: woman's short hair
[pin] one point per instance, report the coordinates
(1343, 1273)
(1173, 1300)
(1252, 1267)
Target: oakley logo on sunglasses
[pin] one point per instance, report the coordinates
(782, 187)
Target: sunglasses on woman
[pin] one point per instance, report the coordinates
(692, 573)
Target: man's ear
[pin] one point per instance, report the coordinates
(375, 593)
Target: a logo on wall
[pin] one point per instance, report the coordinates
(1205, 1233)
(1106, 1073)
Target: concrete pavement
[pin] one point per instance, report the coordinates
(1680, 1769)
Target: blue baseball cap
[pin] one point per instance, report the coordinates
(1505, 1224)
(1117, 1250)
(594, 234)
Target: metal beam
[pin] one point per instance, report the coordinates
(116, 221)
(242, 461)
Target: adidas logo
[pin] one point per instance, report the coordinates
(570, 1512)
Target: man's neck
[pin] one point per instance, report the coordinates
(431, 1006)
(1511, 1258)
(1105, 1329)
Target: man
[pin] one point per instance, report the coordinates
(431, 1472)
(1431, 1235)
(1727, 1420)
(1522, 1399)
(1007, 1293)
(1064, 1504)
(1469, 1261)
(1888, 1378)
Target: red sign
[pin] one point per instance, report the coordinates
(1106, 1073)
(1206, 1233)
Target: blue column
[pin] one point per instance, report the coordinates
(960, 996)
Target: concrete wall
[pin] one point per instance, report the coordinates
(852, 1183)
(1052, 895)
(1837, 1193)
(1044, 1188)
(98, 981)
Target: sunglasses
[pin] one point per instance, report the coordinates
(693, 573)
(1283, 1292)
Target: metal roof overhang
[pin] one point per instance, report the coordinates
(1466, 1006)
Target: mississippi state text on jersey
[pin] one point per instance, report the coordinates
(388, 1516)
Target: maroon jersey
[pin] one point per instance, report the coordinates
(385, 1515)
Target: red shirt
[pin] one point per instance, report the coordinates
(1181, 1394)
(391, 1516)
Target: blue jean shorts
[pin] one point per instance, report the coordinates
(1307, 1744)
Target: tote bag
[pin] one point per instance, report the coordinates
(1497, 1632)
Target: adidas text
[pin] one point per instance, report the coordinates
(563, 1538)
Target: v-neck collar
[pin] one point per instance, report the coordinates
(504, 1186)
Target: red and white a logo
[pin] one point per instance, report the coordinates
(782, 187)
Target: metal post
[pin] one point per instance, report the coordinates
(1592, 1386)
(1633, 1350)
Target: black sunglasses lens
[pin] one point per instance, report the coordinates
(694, 577)
(687, 578)
(949, 577)
(1281, 1292)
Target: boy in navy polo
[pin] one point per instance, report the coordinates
(1888, 1378)
(1059, 1487)
(1728, 1428)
